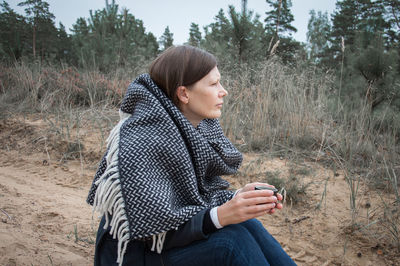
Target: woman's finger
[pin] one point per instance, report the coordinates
(251, 186)
(279, 196)
(259, 201)
(260, 208)
(256, 193)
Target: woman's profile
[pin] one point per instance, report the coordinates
(159, 189)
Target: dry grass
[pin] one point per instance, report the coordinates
(41, 88)
(277, 106)
(284, 112)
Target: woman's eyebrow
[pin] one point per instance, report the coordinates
(214, 80)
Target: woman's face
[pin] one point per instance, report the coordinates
(204, 98)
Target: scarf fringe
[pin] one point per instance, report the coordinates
(158, 242)
(109, 200)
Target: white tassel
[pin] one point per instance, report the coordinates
(154, 242)
(158, 242)
(108, 199)
(123, 240)
(123, 115)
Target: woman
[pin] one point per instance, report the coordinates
(158, 187)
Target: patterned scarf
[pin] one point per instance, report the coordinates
(159, 171)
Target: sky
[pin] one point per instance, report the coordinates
(178, 14)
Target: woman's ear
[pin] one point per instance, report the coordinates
(182, 93)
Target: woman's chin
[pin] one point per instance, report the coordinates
(216, 114)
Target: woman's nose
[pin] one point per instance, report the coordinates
(222, 92)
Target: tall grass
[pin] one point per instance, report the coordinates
(278, 109)
(46, 88)
(67, 99)
(272, 108)
(277, 106)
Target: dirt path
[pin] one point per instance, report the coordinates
(44, 219)
(316, 236)
(45, 205)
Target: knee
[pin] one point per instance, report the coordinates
(256, 229)
(235, 243)
(232, 238)
(253, 224)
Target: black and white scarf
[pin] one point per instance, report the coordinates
(159, 170)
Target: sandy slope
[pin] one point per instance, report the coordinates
(44, 219)
(45, 205)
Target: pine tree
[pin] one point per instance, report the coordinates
(393, 8)
(279, 19)
(80, 42)
(369, 60)
(42, 22)
(344, 24)
(235, 39)
(194, 35)
(109, 39)
(360, 19)
(14, 39)
(241, 27)
(392, 15)
(218, 33)
(152, 46)
(104, 47)
(377, 67)
(64, 44)
(218, 38)
(318, 33)
(167, 39)
(279, 31)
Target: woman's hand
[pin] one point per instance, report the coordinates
(248, 204)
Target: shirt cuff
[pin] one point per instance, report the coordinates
(236, 192)
(208, 225)
(214, 217)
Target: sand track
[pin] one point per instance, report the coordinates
(44, 219)
(44, 214)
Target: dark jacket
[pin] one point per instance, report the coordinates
(138, 252)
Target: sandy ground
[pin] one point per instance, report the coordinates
(44, 219)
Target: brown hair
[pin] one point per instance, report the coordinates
(181, 65)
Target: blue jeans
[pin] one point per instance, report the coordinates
(244, 244)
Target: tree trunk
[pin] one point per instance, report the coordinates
(278, 19)
(34, 41)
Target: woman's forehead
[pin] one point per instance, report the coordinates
(214, 74)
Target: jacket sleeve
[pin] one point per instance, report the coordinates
(187, 233)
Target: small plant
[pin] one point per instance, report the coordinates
(391, 221)
(65, 128)
(323, 196)
(50, 259)
(393, 181)
(354, 185)
(77, 238)
(274, 179)
(304, 171)
(292, 187)
(295, 189)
